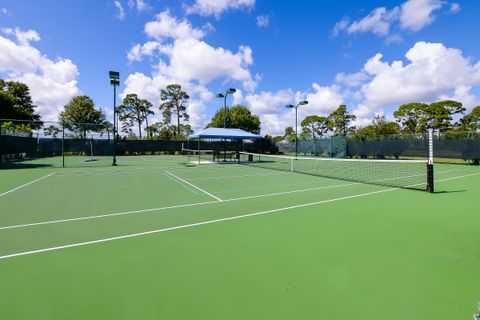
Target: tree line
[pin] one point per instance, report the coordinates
(409, 118)
(80, 115)
(337, 123)
(16, 103)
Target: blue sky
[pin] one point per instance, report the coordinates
(370, 55)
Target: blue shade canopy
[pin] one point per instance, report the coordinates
(222, 133)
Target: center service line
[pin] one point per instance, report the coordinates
(191, 184)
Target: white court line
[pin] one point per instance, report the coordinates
(26, 184)
(181, 184)
(171, 207)
(191, 225)
(104, 173)
(93, 173)
(191, 184)
(189, 205)
(458, 177)
(241, 176)
(132, 235)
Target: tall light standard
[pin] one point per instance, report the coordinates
(224, 96)
(290, 106)
(114, 81)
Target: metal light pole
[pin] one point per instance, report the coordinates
(0, 143)
(224, 96)
(301, 103)
(114, 81)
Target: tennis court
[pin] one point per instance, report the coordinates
(156, 237)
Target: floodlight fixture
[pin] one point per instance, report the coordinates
(291, 106)
(224, 96)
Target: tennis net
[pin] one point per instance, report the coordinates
(410, 174)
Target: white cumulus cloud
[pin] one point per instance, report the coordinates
(455, 7)
(269, 102)
(191, 59)
(217, 7)
(139, 51)
(140, 5)
(324, 100)
(263, 21)
(23, 37)
(431, 72)
(275, 117)
(351, 80)
(121, 11)
(412, 15)
(148, 87)
(416, 14)
(167, 26)
(52, 82)
(377, 22)
(181, 56)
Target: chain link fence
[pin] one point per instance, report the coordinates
(447, 145)
(330, 147)
(46, 143)
(464, 146)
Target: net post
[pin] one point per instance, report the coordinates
(430, 183)
(198, 148)
(430, 176)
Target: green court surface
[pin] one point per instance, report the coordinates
(155, 238)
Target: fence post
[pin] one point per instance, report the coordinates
(330, 147)
(63, 145)
(1, 144)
